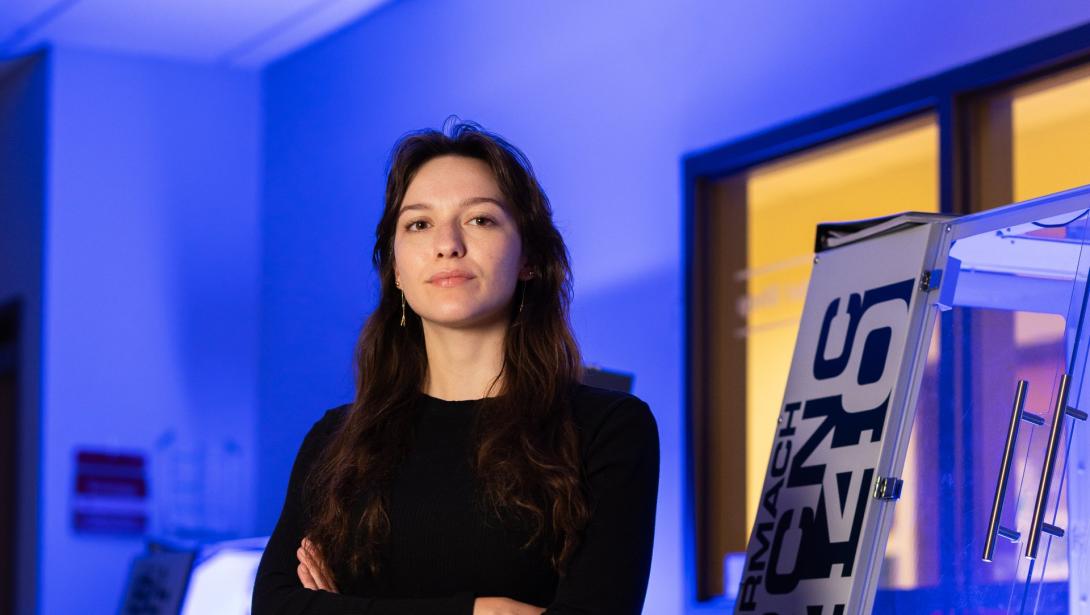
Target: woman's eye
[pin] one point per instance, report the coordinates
(416, 225)
(482, 221)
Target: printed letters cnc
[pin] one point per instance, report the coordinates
(823, 457)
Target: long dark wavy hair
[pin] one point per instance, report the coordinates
(526, 455)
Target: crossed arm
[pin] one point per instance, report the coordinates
(607, 574)
(316, 576)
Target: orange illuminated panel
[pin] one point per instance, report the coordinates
(1050, 132)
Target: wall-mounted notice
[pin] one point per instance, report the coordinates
(111, 490)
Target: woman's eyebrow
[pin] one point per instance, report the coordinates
(473, 200)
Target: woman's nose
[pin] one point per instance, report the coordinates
(449, 241)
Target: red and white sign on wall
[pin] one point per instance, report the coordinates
(111, 490)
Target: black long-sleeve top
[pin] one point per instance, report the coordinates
(443, 552)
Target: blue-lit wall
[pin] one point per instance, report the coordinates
(605, 98)
(23, 95)
(151, 299)
(206, 270)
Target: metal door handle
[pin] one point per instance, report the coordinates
(994, 526)
(1038, 524)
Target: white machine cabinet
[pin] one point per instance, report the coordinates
(959, 343)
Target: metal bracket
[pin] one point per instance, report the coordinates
(930, 280)
(888, 488)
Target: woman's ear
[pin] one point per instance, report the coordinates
(526, 271)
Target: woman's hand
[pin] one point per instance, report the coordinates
(313, 573)
(504, 606)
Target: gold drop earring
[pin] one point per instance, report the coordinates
(397, 283)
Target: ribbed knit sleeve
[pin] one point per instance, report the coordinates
(609, 571)
(277, 589)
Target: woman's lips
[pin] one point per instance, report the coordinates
(455, 280)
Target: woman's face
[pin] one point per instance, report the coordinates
(457, 250)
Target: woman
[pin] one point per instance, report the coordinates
(473, 473)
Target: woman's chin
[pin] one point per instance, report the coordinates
(464, 319)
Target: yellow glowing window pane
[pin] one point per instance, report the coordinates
(1050, 133)
(886, 171)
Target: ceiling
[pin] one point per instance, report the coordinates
(242, 33)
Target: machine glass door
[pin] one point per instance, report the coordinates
(982, 523)
(1056, 567)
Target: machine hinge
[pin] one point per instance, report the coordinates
(930, 280)
(888, 488)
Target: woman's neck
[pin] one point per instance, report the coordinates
(464, 363)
